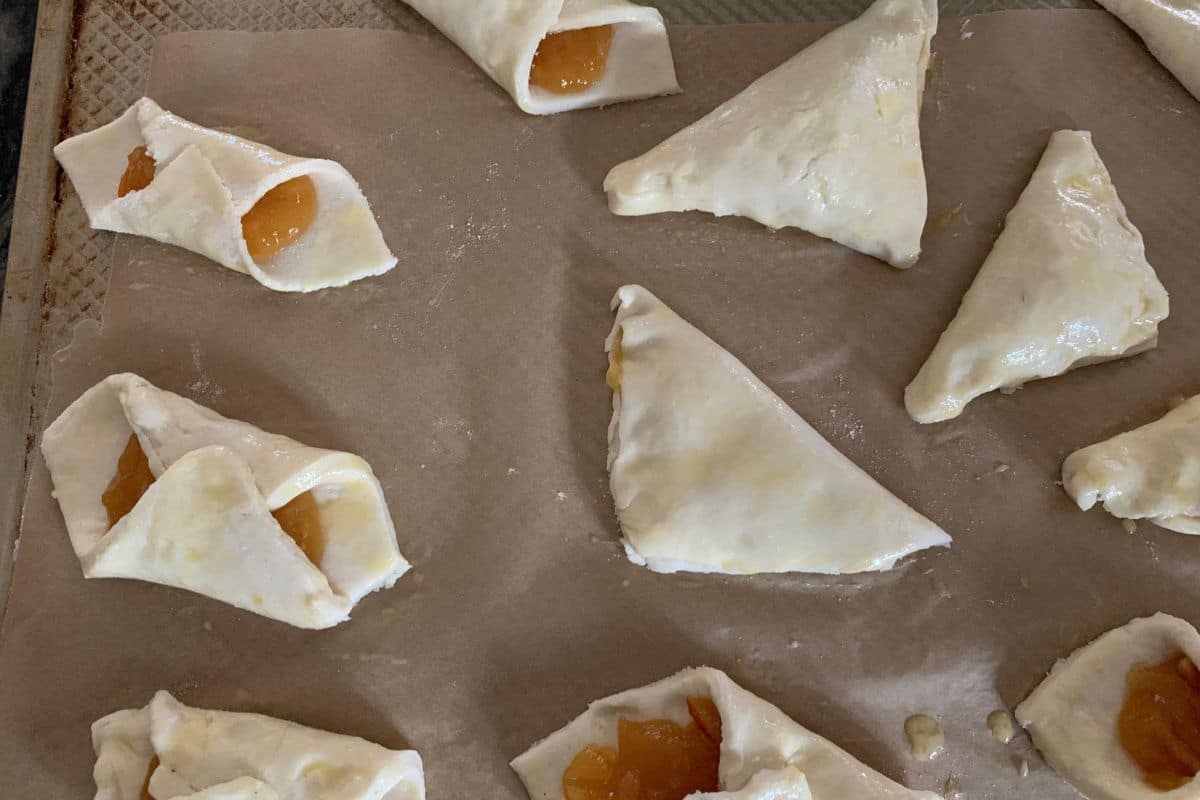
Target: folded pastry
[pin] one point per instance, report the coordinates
(167, 750)
(1120, 718)
(558, 55)
(1170, 29)
(1151, 472)
(712, 472)
(1066, 284)
(696, 734)
(828, 142)
(155, 487)
(294, 224)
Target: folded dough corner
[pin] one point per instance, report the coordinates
(1072, 716)
(764, 755)
(1151, 472)
(1171, 31)
(221, 508)
(1066, 284)
(203, 186)
(506, 38)
(828, 142)
(712, 472)
(168, 751)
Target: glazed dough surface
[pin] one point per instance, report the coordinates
(501, 36)
(206, 181)
(764, 754)
(205, 524)
(828, 142)
(1072, 714)
(712, 472)
(1152, 472)
(1066, 284)
(1171, 30)
(225, 755)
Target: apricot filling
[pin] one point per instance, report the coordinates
(1159, 723)
(138, 172)
(280, 217)
(568, 62)
(145, 795)
(654, 760)
(300, 518)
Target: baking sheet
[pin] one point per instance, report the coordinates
(471, 377)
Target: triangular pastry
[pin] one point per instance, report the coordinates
(712, 472)
(168, 751)
(559, 55)
(1066, 284)
(293, 224)
(1113, 718)
(1171, 31)
(155, 487)
(735, 746)
(1151, 472)
(828, 142)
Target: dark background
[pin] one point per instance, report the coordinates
(16, 45)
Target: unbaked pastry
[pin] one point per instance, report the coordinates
(199, 190)
(1065, 285)
(712, 472)
(1171, 31)
(1151, 472)
(210, 513)
(174, 751)
(1072, 716)
(828, 142)
(764, 755)
(503, 36)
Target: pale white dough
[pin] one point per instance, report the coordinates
(1072, 715)
(1152, 472)
(205, 523)
(764, 754)
(828, 142)
(1066, 284)
(206, 181)
(501, 36)
(225, 755)
(1171, 30)
(712, 472)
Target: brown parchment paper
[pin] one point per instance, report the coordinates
(472, 378)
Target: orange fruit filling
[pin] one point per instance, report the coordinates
(145, 795)
(300, 519)
(280, 217)
(138, 172)
(1159, 723)
(569, 62)
(657, 759)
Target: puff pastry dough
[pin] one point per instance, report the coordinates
(712, 472)
(205, 523)
(1072, 715)
(1152, 472)
(828, 142)
(1066, 284)
(205, 183)
(225, 755)
(764, 754)
(1170, 29)
(501, 36)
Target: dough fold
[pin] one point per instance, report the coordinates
(206, 181)
(1171, 31)
(1151, 472)
(828, 142)
(205, 523)
(1066, 284)
(226, 755)
(1072, 714)
(764, 754)
(501, 36)
(712, 472)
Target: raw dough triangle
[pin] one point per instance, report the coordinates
(1067, 284)
(1171, 31)
(712, 472)
(828, 142)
